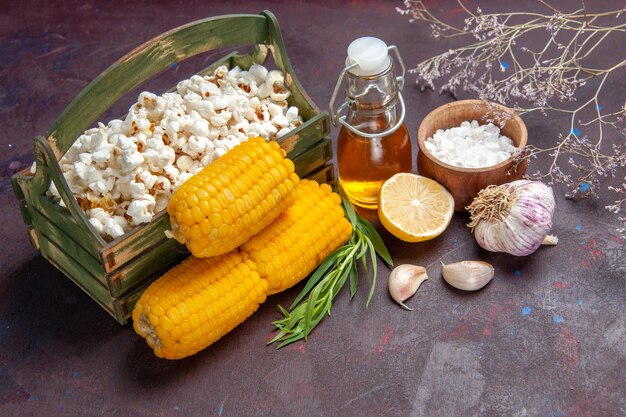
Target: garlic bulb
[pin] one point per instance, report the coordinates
(467, 275)
(404, 281)
(512, 218)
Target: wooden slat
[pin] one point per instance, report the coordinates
(19, 194)
(324, 174)
(61, 219)
(120, 281)
(302, 137)
(60, 238)
(74, 271)
(164, 254)
(124, 306)
(120, 308)
(134, 242)
(34, 239)
(314, 157)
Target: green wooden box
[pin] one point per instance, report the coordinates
(115, 273)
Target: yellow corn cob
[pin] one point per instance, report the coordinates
(300, 238)
(196, 303)
(233, 198)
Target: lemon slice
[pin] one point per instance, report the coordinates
(414, 208)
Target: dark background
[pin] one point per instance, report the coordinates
(546, 338)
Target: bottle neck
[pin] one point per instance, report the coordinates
(373, 100)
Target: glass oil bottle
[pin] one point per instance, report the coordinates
(373, 142)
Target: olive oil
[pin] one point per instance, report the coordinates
(365, 163)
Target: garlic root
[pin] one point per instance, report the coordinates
(550, 240)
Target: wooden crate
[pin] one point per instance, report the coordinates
(115, 273)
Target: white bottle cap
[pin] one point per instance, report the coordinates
(370, 54)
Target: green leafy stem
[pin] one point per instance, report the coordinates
(330, 277)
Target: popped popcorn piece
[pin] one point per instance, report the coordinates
(184, 163)
(136, 121)
(161, 202)
(115, 226)
(283, 132)
(137, 189)
(280, 120)
(157, 160)
(259, 72)
(171, 171)
(154, 105)
(275, 81)
(130, 160)
(148, 179)
(141, 210)
(200, 127)
(292, 114)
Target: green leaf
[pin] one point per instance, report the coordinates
(353, 280)
(375, 238)
(374, 272)
(318, 274)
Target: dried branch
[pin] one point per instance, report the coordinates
(502, 66)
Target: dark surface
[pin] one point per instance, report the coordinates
(546, 338)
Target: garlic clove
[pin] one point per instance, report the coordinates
(467, 275)
(404, 281)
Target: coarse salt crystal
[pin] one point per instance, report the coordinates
(470, 145)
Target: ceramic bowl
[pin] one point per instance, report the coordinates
(465, 183)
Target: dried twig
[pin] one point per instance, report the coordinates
(500, 65)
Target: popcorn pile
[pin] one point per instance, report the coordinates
(123, 173)
(471, 145)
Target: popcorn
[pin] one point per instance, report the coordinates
(259, 72)
(137, 189)
(292, 114)
(115, 226)
(184, 163)
(283, 132)
(136, 121)
(221, 119)
(157, 160)
(103, 154)
(172, 172)
(115, 126)
(196, 145)
(106, 224)
(280, 120)
(148, 179)
(141, 210)
(131, 159)
(124, 172)
(154, 105)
